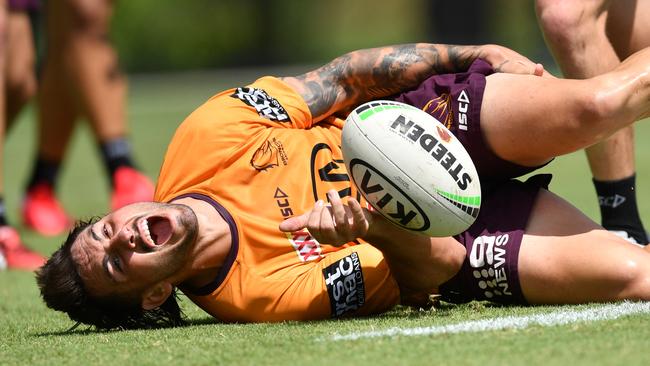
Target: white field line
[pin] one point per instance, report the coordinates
(560, 317)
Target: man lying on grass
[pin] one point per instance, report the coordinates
(240, 225)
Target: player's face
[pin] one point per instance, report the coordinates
(135, 247)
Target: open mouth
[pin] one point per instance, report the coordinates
(155, 230)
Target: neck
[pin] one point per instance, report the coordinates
(212, 246)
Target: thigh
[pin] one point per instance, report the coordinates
(628, 27)
(567, 258)
(20, 50)
(528, 120)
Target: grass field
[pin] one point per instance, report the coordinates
(32, 334)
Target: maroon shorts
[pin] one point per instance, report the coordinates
(455, 100)
(24, 5)
(490, 270)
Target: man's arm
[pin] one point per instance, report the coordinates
(364, 75)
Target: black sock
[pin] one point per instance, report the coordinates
(45, 171)
(3, 212)
(618, 208)
(116, 153)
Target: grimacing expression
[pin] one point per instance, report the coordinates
(134, 247)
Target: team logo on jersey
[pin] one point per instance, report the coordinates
(307, 248)
(265, 105)
(440, 108)
(269, 155)
(345, 287)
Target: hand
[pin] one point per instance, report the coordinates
(334, 224)
(503, 59)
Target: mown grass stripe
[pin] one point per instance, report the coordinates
(560, 317)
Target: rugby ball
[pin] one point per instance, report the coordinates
(411, 168)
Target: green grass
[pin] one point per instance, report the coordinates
(32, 334)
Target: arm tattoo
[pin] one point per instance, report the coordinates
(374, 73)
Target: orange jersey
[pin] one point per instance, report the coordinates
(256, 156)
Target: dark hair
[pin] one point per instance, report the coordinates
(63, 289)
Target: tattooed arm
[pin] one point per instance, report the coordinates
(360, 76)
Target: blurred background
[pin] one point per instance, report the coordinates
(167, 35)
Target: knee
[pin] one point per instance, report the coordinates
(450, 261)
(89, 17)
(637, 283)
(600, 102)
(564, 22)
(4, 25)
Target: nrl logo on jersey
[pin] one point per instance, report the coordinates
(265, 105)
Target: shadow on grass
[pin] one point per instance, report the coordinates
(439, 309)
(83, 329)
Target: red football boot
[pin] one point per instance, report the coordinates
(43, 213)
(16, 255)
(130, 186)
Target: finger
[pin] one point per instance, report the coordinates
(359, 221)
(327, 227)
(295, 223)
(340, 216)
(314, 221)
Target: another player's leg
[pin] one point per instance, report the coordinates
(584, 37)
(57, 112)
(102, 90)
(629, 31)
(15, 89)
(565, 258)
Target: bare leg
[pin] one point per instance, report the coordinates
(91, 64)
(589, 38)
(576, 33)
(17, 85)
(561, 263)
(3, 115)
(17, 79)
(80, 74)
(20, 74)
(528, 120)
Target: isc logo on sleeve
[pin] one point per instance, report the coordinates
(344, 281)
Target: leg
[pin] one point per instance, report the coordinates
(20, 61)
(589, 38)
(57, 112)
(3, 121)
(91, 65)
(580, 262)
(576, 34)
(528, 120)
(17, 85)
